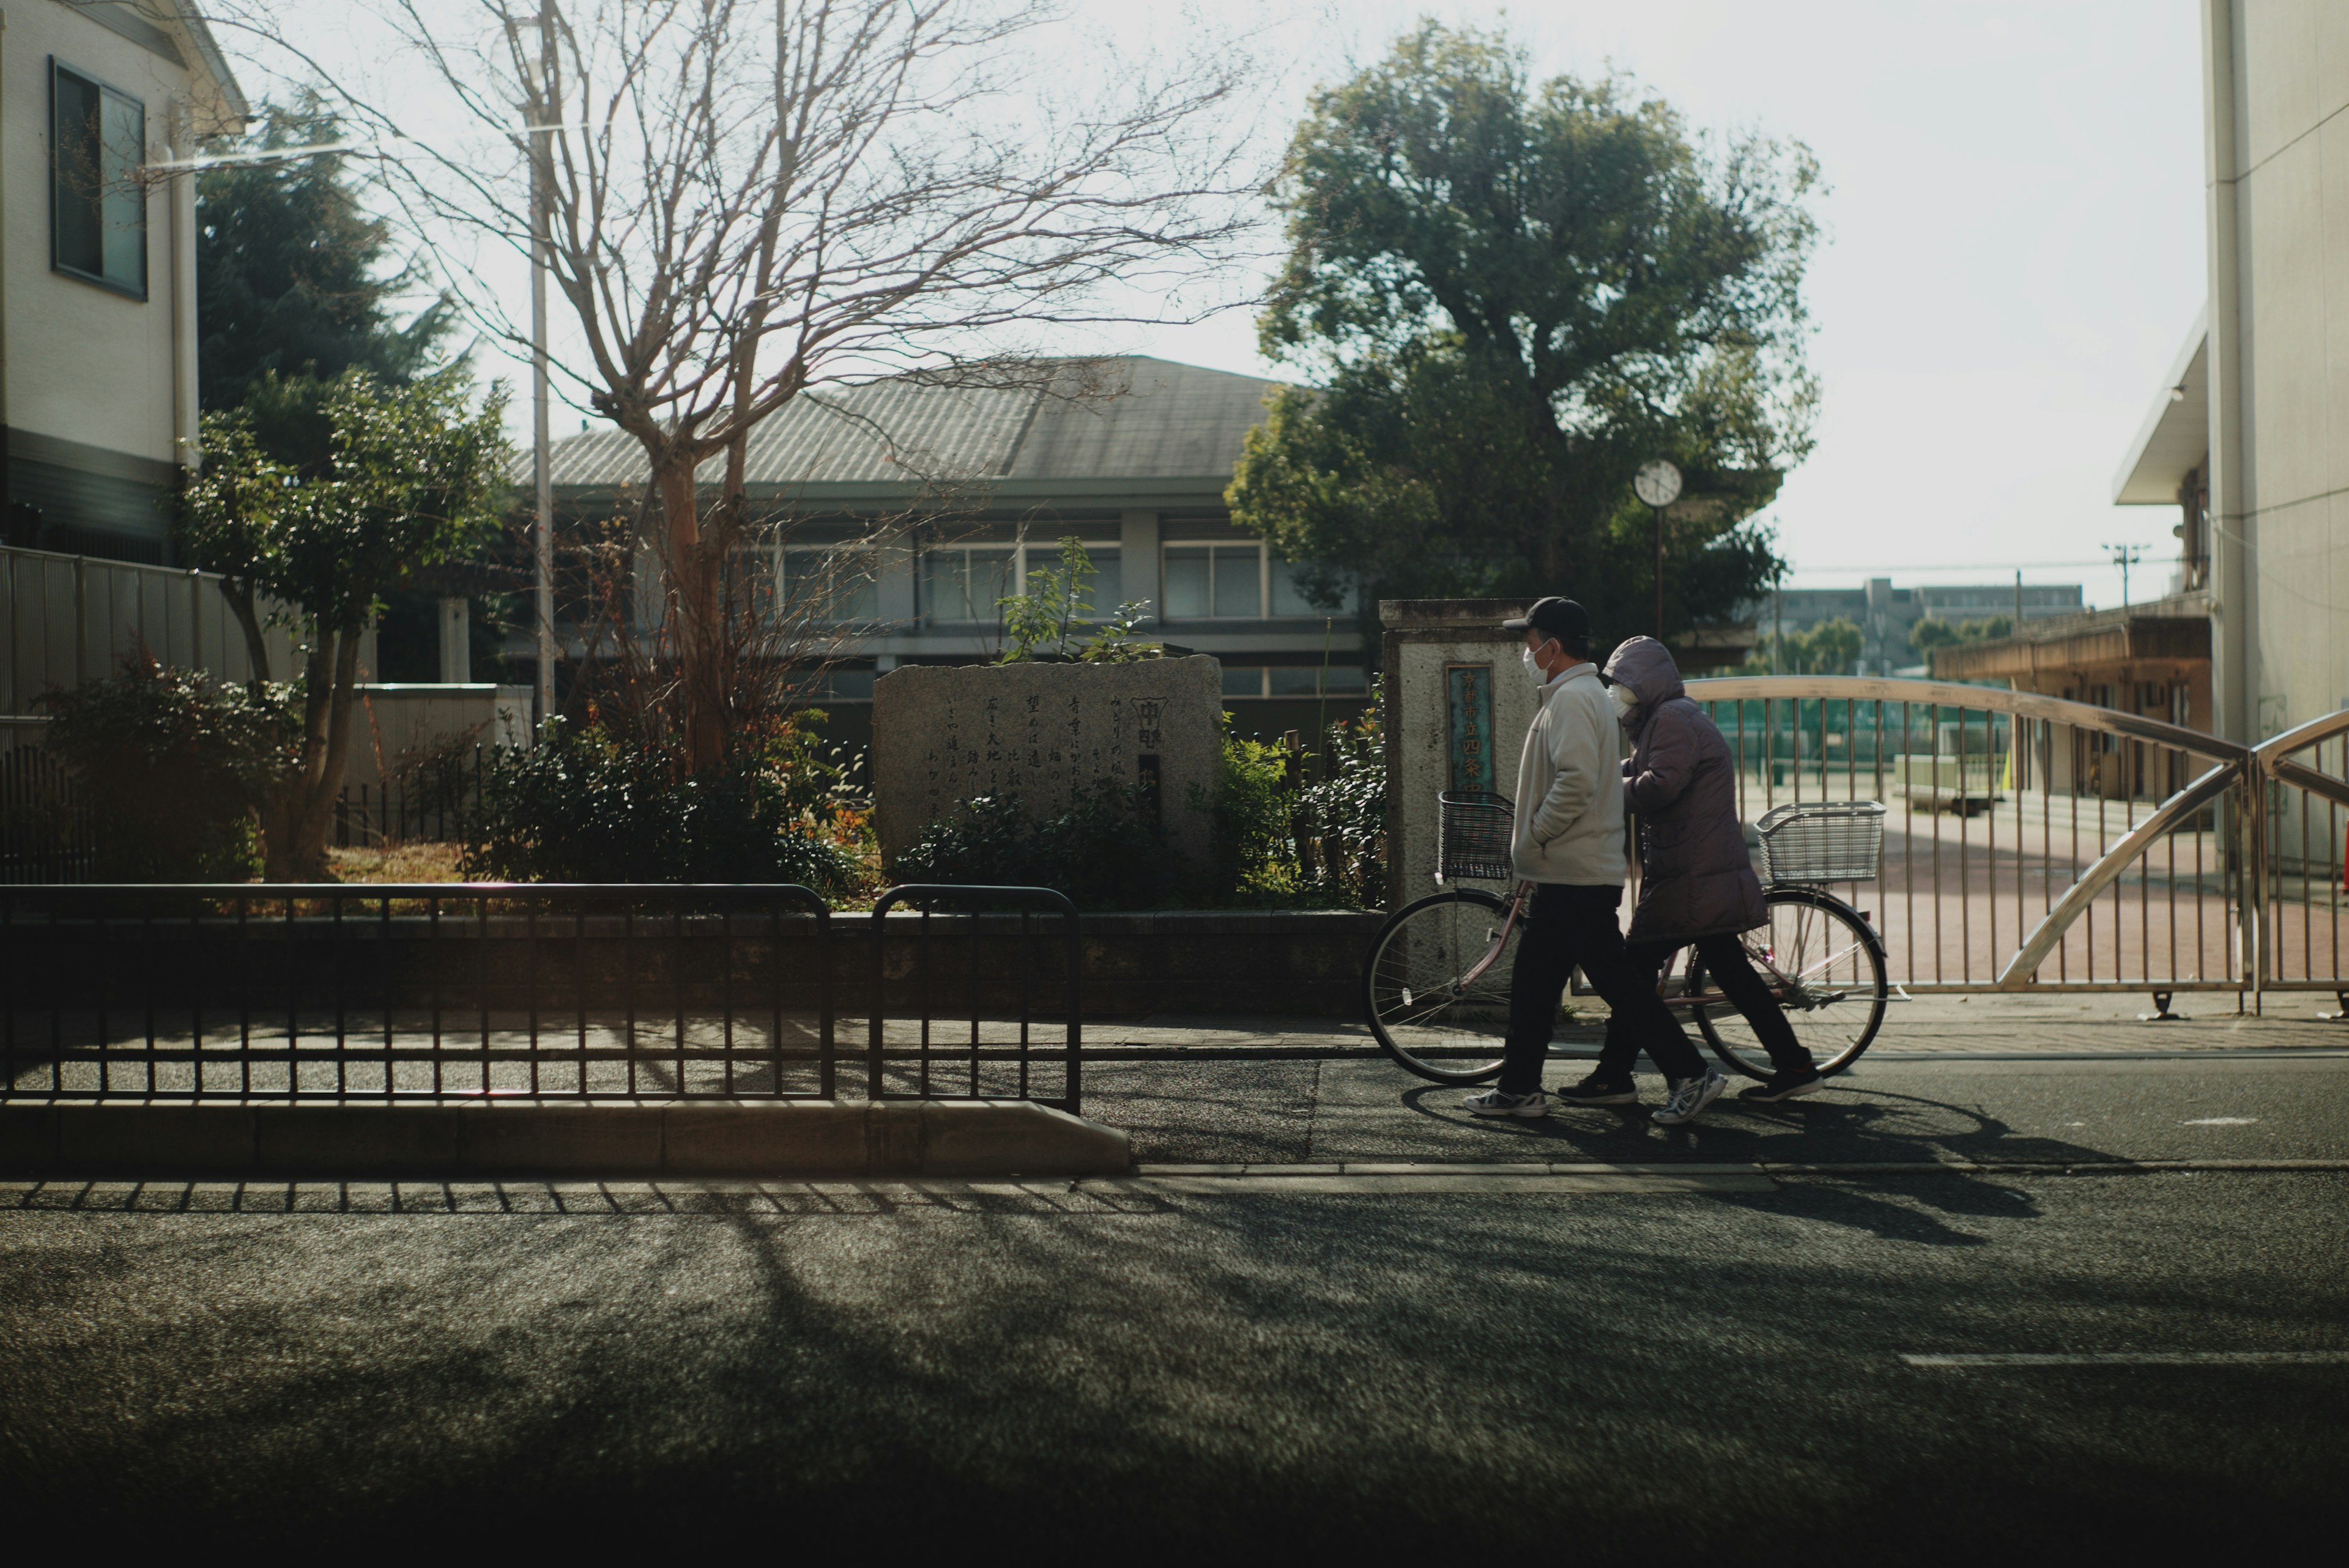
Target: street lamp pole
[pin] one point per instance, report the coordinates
(543, 533)
(1658, 484)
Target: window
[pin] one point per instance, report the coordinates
(964, 584)
(832, 585)
(1229, 582)
(98, 208)
(1294, 680)
(967, 584)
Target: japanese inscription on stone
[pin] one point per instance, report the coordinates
(945, 735)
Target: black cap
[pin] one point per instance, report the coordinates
(1564, 619)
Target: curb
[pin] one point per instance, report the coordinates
(520, 1137)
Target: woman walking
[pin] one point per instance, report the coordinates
(1697, 886)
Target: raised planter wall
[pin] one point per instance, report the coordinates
(1300, 964)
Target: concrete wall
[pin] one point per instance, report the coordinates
(2278, 165)
(398, 724)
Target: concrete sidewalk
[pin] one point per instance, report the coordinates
(2069, 1081)
(2050, 1026)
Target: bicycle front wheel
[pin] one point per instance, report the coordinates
(1437, 985)
(1824, 968)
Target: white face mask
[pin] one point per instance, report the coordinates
(1533, 670)
(1624, 697)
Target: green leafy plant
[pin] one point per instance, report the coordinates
(1343, 817)
(1118, 640)
(1103, 851)
(326, 496)
(583, 806)
(1254, 853)
(1044, 622)
(174, 768)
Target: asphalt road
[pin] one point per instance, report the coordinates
(1154, 1369)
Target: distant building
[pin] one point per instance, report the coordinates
(97, 268)
(924, 504)
(1886, 615)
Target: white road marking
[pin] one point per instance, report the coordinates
(2137, 1358)
(2221, 1122)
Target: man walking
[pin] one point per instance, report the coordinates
(1569, 842)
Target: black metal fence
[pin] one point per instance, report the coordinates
(476, 991)
(423, 802)
(46, 834)
(1001, 997)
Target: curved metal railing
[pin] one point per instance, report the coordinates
(2041, 842)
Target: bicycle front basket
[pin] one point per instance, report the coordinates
(1473, 836)
(1823, 842)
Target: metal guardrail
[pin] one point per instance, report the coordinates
(442, 991)
(2044, 844)
(996, 986)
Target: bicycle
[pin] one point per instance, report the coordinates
(1436, 980)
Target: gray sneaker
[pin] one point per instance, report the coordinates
(1691, 1096)
(1493, 1102)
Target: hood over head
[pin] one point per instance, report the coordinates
(1646, 666)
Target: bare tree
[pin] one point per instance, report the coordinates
(738, 202)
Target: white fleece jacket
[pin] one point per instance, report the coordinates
(1570, 826)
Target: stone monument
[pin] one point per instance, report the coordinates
(1458, 704)
(943, 734)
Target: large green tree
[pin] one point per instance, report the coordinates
(294, 276)
(1510, 294)
(329, 496)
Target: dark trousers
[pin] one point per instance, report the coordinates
(1565, 926)
(1728, 967)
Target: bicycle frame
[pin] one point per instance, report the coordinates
(1794, 988)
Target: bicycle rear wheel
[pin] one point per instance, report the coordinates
(1825, 968)
(1433, 1002)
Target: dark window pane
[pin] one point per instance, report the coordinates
(78, 176)
(1187, 582)
(1244, 681)
(1294, 682)
(1238, 590)
(123, 200)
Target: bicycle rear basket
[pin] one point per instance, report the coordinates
(1473, 836)
(1823, 842)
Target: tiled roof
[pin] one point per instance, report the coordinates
(1123, 419)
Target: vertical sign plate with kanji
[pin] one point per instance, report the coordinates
(1468, 691)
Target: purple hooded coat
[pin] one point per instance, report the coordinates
(1695, 877)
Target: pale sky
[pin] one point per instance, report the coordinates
(2013, 247)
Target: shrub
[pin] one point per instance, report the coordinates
(1346, 814)
(173, 767)
(1256, 854)
(581, 806)
(1101, 851)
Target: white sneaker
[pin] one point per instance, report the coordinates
(1691, 1096)
(1493, 1102)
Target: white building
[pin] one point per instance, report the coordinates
(97, 266)
(2249, 438)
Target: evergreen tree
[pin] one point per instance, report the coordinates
(1511, 294)
(294, 276)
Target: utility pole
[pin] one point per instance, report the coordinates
(541, 88)
(1657, 484)
(2124, 556)
(1777, 619)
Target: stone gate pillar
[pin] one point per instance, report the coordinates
(1457, 705)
